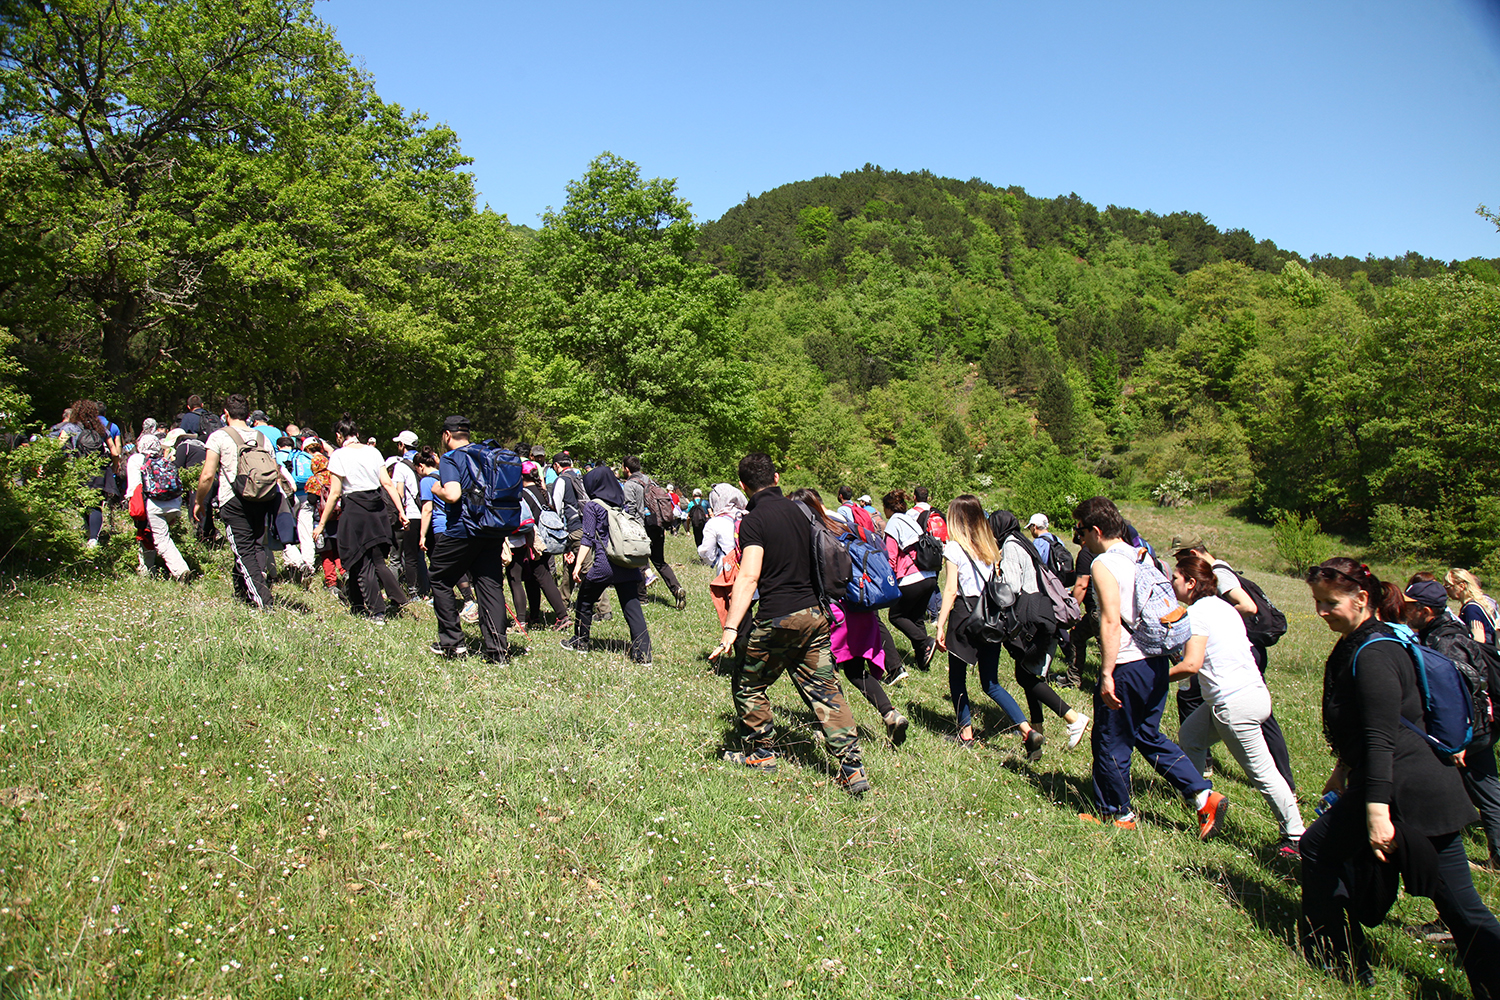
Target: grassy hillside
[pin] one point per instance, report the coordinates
(197, 801)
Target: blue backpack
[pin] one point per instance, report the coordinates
(1447, 701)
(872, 584)
(491, 505)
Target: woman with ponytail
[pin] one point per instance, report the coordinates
(1398, 801)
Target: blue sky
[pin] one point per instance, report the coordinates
(1329, 127)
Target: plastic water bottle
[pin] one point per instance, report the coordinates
(1325, 803)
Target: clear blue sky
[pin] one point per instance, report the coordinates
(1327, 126)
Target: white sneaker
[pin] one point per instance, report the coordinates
(92, 543)
(1076, 730)
(470, 613)
(650, 577)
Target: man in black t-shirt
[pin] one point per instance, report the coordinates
(1087, 627)
(790, 630)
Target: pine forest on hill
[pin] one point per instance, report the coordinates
(212, 197)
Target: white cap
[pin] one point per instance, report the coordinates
(405, 437)
(1038, 521)
(697, 493)
(865, 498)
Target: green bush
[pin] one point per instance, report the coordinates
(1399, 533)
(1053, 487)
(1299, 541)
(43, 491)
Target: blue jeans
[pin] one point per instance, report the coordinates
(1141, 686)
(989, 679)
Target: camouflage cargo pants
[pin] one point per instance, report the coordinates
(798, 643)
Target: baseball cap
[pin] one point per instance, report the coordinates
(456, 423)
(1428, 593)
(405, 437)
(309, 441)
(529, 468)
(865, 498)
(1038, 521)
(697, 493)
(257, 416)
(538, 452)
(563, 458)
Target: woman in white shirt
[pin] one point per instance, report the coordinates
(1235, 698)
(161, 512)
(909, 614)
(364, 524)
(969, 558)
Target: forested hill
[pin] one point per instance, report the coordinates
(902, 328)
(765, 236)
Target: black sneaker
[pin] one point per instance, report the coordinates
(1034, 741)
(576, 644)
(437, 649)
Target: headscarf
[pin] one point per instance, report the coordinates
(724, 497)
(1006, 525)
(148, 426)
(148, 444)
(321, 480)
(600, 484)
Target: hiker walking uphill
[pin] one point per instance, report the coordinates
(241, 463)
(361, 482)
(480, 488)
(653, 506)
(1236, 701)
(916, 557)
(613, 552)
(791, 630)
(1139, 621)
(1398, 801)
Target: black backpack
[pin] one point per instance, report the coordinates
(1268, 624)
(207, 423)
(831, 564)
(88, 441)
(927, 550)
(1060, 562)
(698, 516)
(992, 621)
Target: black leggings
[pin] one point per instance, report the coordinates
(909, 615)
(1039, 693)
(868, 686)
(529, 580)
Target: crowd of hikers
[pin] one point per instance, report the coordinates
(799, 584)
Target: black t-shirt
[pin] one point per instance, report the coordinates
(780, 527)
(1083, 565)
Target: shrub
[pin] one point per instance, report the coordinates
(43, 489)
(1053, 487)
(1177, 490)
(1398, 533)
(1299, 541)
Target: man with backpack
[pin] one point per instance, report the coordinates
(1426, 612)
(461, 549)
(791, 629)
(653, 505)
(240, 460)
(1138, 620)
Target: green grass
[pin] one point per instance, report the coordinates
(199, 801)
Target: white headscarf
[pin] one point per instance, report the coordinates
(724, 497)
(148, 445)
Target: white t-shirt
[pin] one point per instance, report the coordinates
(133, 473)
(358, 465)
(1228, 663)
(1120, 559)
(968, 584)
(1225, 578)
(407, 480)
(903, 527)
(226, 442)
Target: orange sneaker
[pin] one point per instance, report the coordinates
(1211, 816)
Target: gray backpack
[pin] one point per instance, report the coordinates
(628, 546)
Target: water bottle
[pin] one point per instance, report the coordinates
(1325, 803)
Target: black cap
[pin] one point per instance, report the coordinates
(1428, 593)
(455, 424)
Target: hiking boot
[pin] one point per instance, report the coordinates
(1033, 744)
(758, 758)
(576, 644)
(1211, 816)
(1288, 848)
(1076, 730)
(437, 649)
(895, 727)
(681, 596)
(853, 780)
